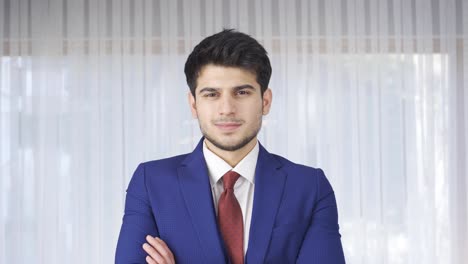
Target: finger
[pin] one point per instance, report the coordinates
(149, 260)
(153, 254)
(166, 246)
(162, 249)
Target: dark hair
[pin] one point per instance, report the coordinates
(232, 49)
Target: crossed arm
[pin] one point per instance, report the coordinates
(321, 242)
(138, 225)
(139, 237)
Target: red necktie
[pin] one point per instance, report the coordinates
(230, 219)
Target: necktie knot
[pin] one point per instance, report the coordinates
(229, 179)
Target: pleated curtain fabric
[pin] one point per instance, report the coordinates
(371, 91)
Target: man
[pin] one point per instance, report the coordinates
(229, 200)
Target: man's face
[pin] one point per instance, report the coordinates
(229, 106)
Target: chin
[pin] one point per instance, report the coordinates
(230, 144)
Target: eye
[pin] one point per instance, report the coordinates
(210, 95)
(243, 92)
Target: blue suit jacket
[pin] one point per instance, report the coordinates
(294, 215)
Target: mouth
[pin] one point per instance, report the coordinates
(228, 126)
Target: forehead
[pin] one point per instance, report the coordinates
(216, 76)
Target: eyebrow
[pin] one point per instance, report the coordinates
(235, 88)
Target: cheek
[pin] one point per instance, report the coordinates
(254, 116)
(203, 114)
(258, 110)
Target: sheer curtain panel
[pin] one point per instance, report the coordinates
(374, 92)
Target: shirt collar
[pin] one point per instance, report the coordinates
(217, 167)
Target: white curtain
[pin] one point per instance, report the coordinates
(372, 91)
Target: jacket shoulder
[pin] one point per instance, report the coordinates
(169, 163)
(307, 177)
(289, 165)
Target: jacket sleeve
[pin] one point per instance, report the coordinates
(138, 221)
(322, 242)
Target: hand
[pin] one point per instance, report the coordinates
(158, 251)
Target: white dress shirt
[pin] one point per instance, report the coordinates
(244, 187)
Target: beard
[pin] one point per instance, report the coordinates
(234, 146)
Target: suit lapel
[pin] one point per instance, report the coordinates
(269, 184)
(196, 190)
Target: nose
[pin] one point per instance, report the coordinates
(227, 105)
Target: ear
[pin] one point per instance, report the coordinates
(266, 101)
(192, 104)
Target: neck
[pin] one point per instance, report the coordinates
(232, 157)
